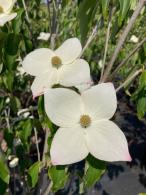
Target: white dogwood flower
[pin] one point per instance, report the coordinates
(84, 125)
(5, 11)
(61, 66)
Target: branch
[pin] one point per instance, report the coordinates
(29, 23)
(37, 145)
(90, 39)
(106, 43)
(45, 146)
(7, 115)
(129, 56)
(47, 191)
(132, 77)
(123, 38)
(26, 12)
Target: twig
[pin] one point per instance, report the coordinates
(47, 191)
(90, 39)
(37, 145)
(54, 25)
(7, 114)
(129, 56)
(48, 5)
(28, 23)
(30, 109)
(106, 43)
(132, 77)
(123, 38)
(45, 146)
(26, 12)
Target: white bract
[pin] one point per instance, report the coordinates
(44, 36)
(61, 66)
(5, 11)
(84, 125)
(134, 39)
(13, 163)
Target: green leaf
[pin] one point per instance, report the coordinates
(12, 44)
(3, 37)
(4, 173)
(95, 169)
(33, 173)
(15, 104)
(25, 133)
(124, 7)
(87, 10)
(8, 80)
(142, 79)
(17, 22)
(3, 187)
(104, 6)
(141, 107)
(59, 177)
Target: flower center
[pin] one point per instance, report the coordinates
(56, 61)
(1, 10)
(85, 121)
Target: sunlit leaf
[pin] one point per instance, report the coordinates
(33, 173)
(95, 169)
(4, 173)
(59, 177)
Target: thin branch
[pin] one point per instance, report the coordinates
(123, 38)
(131, 78)
(129, 56)
(106, 43)
(45, 146)
(49, 11)
(47, 191)
(37, 145)
(26, 12)
(7, 114)
(54, 25)
(90, 39)
(29, 23)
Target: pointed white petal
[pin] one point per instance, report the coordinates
(6, 18)
(63, 106)
(69, 50)
(107, 142)
(77, 73)
(68, 146)
(6, 4)
(38, 61)
(43, 82)
(100, 101)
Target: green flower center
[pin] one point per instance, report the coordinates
(85, 121)
(56, 62)
(1, 10)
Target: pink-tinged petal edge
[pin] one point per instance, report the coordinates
(128, 157)
(37, 95)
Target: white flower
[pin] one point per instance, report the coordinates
(13, 163)
(61, 66)
(134, 39)
(44, 36)
(5, 11)
(100, 63)
(84, 125)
